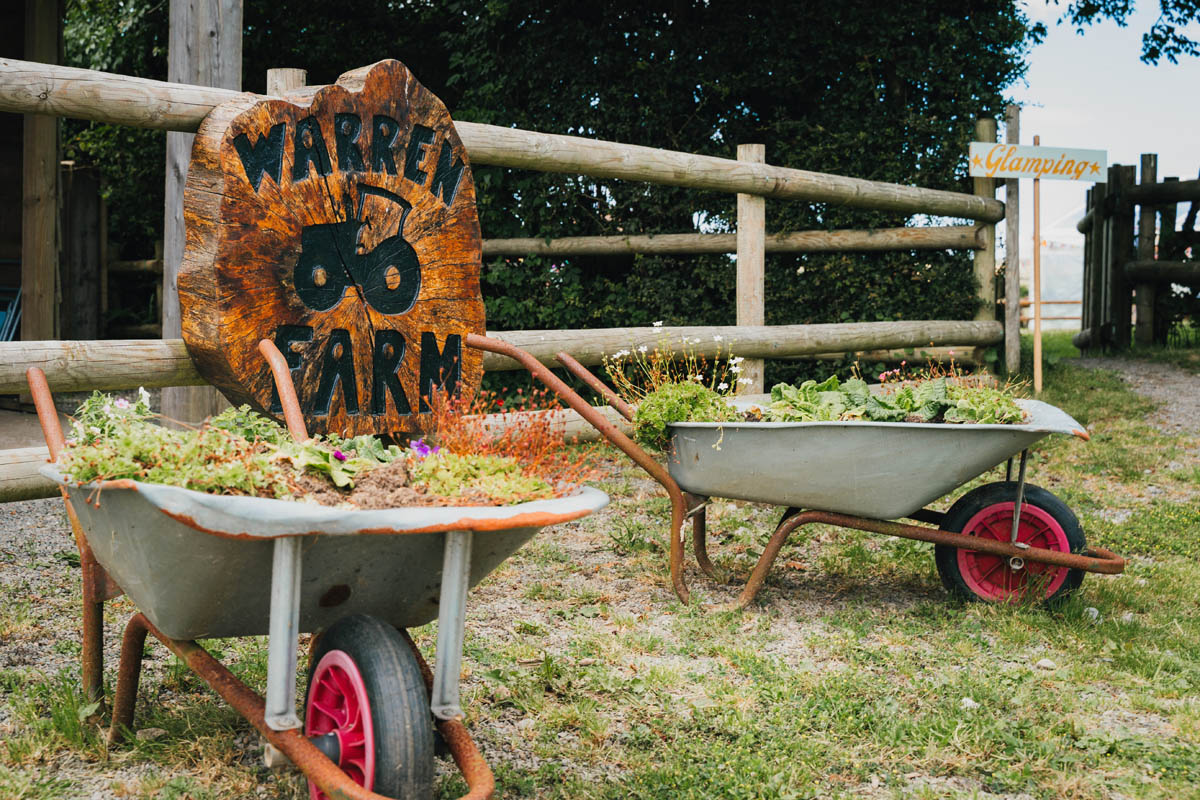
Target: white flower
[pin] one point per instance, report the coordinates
(143, 395)
(658, 324)
(716, 338)
(722, 386)
(642, 349)
(121, 403)
(620, 354)
(745, 381)
(735, 368)
(736, 360)
(697, 378)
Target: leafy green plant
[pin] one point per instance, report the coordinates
(677, 402)
(928, 400)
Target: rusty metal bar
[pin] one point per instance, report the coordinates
(610, 432)
(287, 390)
(597, 385)
(697, 510)
(1095, 560)
(468, 758)
(129, 672)
(315, 765)
(97, 586)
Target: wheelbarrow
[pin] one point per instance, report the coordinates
(201, 566)
(999, 542)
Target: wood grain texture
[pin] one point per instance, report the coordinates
(339, 222)
(751, 265)
(949, 237)
(1012, 254)
(127, 364)
(1144, 291)
(985, 256)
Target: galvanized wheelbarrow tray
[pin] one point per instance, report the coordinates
(998, 542)
(203, 566)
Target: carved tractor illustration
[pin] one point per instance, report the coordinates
(388, 277)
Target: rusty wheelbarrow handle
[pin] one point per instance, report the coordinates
(607, 429)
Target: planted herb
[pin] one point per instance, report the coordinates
(240, 452)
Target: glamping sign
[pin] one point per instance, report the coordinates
(340, 223)
(991, 160)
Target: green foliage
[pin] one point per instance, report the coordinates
(677, 402)
(927, 400)
(885, 92)
(451, 475)
(1167, 38)
(242, 452)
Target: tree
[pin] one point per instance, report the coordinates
(852, 87)
(1167, 37)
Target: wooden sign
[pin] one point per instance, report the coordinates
(339, 222)
(991, 160)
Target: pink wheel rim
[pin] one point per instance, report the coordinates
(990, 576)
(338, 703)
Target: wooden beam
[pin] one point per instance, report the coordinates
(1120, 291)
(1085, 223)
(949, 237)
(205, 48)
(1166, 192)
(1185, 272)
(36, 88)
(751, 266)
(19, 478)
(39, 189)
(129, 363)
(1144, 291)
(1012, 253)
(985, 256)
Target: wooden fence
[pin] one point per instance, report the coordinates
(1124, 266)
(33, 88)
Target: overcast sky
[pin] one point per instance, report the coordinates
(1093, 91)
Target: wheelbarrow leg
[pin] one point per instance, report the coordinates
(129, 672)
(452, 613)
(698, 507)
(280, 713)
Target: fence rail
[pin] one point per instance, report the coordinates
(31, 88)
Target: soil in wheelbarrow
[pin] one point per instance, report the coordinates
(386, 486)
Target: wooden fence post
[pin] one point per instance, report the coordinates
(1089, 242)
(205, 48)
(1099, 272)
(1145, 291)
(1168, 213)
(1120, 295)
(1012, 252)
(39, 188)
(751, 265)
(985, 256)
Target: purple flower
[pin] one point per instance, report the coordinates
(339, 455)
(422, 449)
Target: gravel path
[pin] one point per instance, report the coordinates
(1177, 391)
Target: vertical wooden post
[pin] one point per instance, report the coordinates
(1037, 280)
(751, 265)
(205, 48)
(1012, 252)
(80, 226)
(1120, 295)
(1094, 296)
(39, 187)
(1144, 292)
(1167, 251)
(1089, 241)
(985, 257)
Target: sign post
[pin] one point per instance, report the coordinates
(987, 159)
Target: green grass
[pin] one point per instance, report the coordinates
(850, 677)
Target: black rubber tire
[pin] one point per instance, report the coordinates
(980, 498)
(401, 720)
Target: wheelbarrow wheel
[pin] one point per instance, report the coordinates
(1046, 522)
(367, 697)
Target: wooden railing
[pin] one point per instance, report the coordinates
(1125, 267)
(33, 88)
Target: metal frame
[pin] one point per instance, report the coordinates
(685, 505)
